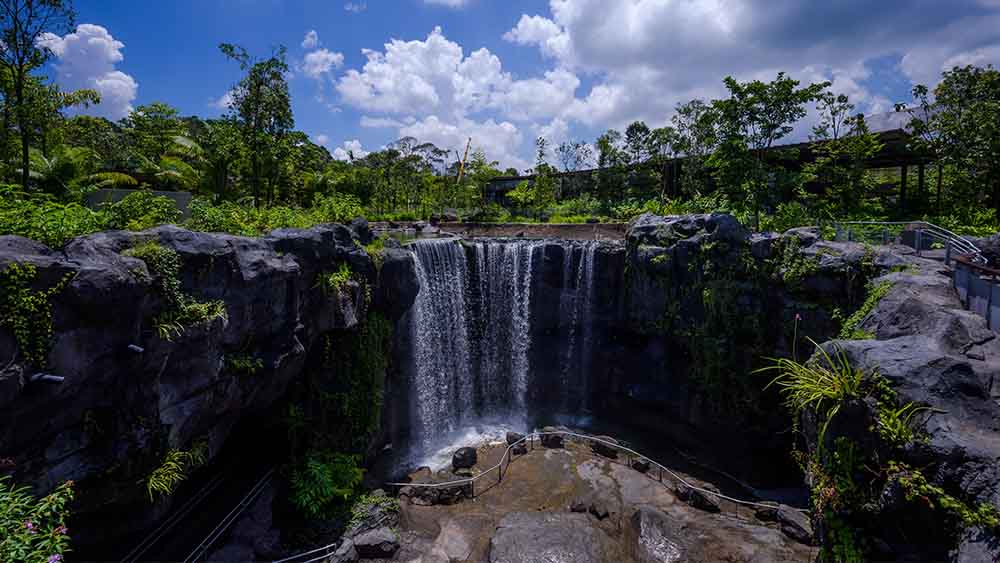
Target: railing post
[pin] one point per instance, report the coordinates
(920, 240)
(850, 235)
(885, 236)
(947, 254)
(838, 233)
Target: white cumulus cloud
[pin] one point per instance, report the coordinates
(321, 62)
(350, 148)
(311, 40)
(87, 58)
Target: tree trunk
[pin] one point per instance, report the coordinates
(22, 125)
(939, 178)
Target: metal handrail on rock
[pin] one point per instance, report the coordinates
(507, 457)
(950, 239)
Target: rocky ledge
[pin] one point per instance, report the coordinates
(122, 394)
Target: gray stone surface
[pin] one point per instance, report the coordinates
(531, 537)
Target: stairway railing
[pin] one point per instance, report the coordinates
(887, 232)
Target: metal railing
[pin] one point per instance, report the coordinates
(507, 458)
(201, 551)
(885, 232)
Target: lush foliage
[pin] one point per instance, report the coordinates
(334, 282)
(27, 313)
(33, 530)
(325, 482)
(181, 310)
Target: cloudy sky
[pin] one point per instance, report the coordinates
(503, 72)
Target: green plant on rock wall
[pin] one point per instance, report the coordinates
(361, 359)
(325, 482)
(27, 313)
(243, 364)
(182, 310)
(376, 250)
(792, 265)
(916, 488)
(333, 283)
(850, 329)
(176, 467)
(33, 530)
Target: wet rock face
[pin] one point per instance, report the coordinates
(129, 395)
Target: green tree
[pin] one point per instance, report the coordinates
(24, 26)
(695, 138)
(961, 127)
(754, 117)
(842, 143)
(152, 129)
(262, 107)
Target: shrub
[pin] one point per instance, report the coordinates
(336, 208)
(139, 211)
(325, 482)
(823, 385)
(40, 218)
(33, 529)
(333, 283)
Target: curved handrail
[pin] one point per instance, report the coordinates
(592, 439)
(507, 455)
(959, 242)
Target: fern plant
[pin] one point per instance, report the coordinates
(325, 482)
(176, 467)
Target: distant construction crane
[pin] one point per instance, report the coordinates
(461, 167)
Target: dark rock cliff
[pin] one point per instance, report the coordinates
(129, 395)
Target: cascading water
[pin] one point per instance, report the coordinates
(471, 334)
(576, 320)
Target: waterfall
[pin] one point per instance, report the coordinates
(442, 383)
(576, 320)
(471, 333)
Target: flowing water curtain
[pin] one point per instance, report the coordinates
(442, 385)
(471, 332)
(576, 319)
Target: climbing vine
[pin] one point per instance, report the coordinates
(27, 313)
(850, 329)
(362, 359)
(182, 310)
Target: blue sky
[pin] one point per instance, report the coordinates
(506, 71)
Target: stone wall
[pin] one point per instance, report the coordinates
(129, 395)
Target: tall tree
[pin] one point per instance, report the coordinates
(696, 138)
(841, 144)
(24, 26)
(754, 117)
(152, 129)
(962, 127)
(262, 106)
